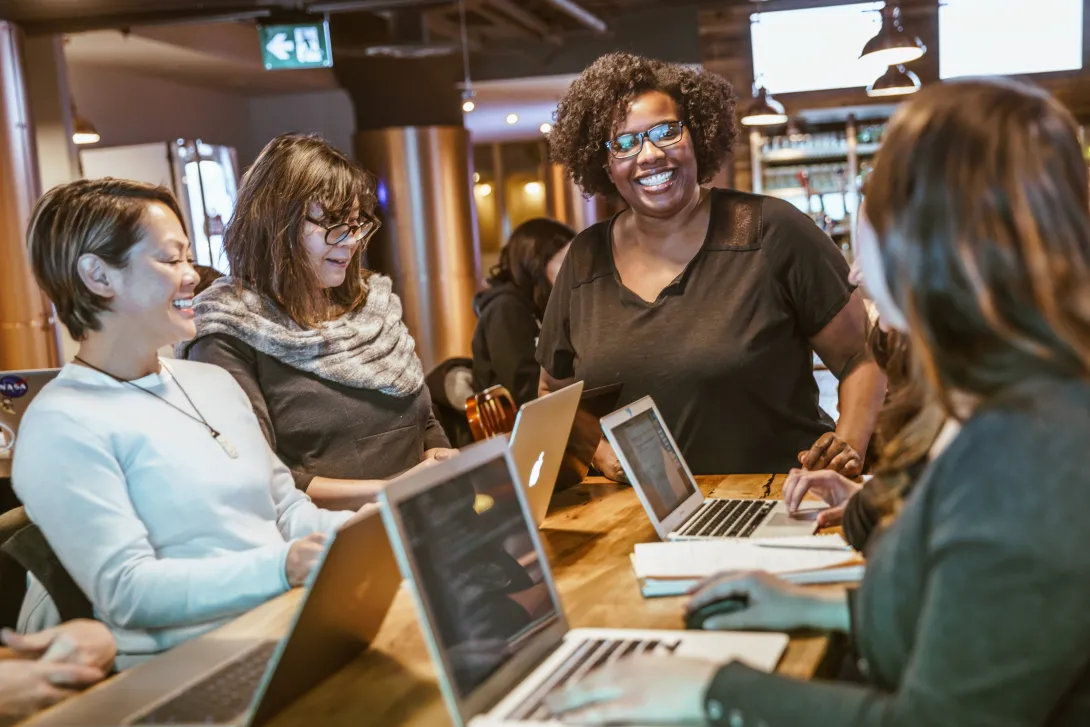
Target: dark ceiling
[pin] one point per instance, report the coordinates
(38, 16)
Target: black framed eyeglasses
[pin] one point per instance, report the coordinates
(338, 233)
(662, 136)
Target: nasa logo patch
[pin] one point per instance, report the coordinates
(12, 387)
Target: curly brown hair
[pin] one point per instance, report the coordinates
(599, 99)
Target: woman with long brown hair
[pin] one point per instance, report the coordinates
(315, 340)
(910, 431)
(973, 607)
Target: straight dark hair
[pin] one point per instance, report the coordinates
(525, 257)
(264, 240)
(979, 198)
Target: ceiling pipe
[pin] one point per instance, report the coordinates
(350, 6)
(578, 12)
(154, 17)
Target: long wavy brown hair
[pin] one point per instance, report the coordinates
(264, 240)
(910, 419)
(979, 198)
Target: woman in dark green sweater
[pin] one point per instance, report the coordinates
(973, 610)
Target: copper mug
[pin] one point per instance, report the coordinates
(491, 412)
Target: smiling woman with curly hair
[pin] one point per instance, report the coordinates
(710, 300)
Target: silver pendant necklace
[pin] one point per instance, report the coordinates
(222, 441)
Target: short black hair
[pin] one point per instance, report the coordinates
(598, 100)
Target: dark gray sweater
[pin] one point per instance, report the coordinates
(322, 429)
(975, 609)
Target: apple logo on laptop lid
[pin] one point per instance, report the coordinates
(535, 471)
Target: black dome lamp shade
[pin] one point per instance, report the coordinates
(893, 46)
(764, 111)
(896, 81)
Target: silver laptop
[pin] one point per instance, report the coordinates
(17, 390)
(248, 681)
(670, 495)
(487, 603)
(538, 442)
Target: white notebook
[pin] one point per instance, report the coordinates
(673, 568)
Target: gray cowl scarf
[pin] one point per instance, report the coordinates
(366, 349)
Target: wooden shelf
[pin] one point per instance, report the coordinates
(801, 156)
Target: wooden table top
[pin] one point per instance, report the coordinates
(589, 533)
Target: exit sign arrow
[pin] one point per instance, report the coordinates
(280, 46)
(292, 45)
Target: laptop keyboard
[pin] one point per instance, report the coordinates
(219, 698)
(728, 519)
(588, 656)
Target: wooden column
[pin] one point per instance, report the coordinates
(27, 334)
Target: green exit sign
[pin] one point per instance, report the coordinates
(298, 45)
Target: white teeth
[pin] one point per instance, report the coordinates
(657, 179)
(186, 303)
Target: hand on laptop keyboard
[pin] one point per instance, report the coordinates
(636, 689)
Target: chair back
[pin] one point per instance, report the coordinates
(12, 573)
(491, 413)
(28, 548)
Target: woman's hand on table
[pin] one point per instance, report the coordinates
(773, 604)
(432, 457)
(830, 452)
(605, 461)
(29, 686)
(439, 454)
(658, 690)
(303, 555)
(80, 641)
(832, 487)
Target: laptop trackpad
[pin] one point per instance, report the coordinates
(780, 519)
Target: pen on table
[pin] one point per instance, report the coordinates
(790, 546)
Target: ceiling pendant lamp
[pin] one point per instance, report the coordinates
(896, 81)
(893, 46)
(764, 110)
(83, 131)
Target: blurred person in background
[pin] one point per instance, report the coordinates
(510, 309)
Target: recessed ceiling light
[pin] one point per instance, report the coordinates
(546, 127)
(468, 106)
(476, 177)
(512, 118)
(534, 189)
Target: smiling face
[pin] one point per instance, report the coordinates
(655, 182)
(330, 262)
(151, 297)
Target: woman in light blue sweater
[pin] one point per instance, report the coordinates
(151, 479)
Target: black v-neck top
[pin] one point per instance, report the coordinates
(724, 350)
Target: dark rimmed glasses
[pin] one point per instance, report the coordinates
(662, 136)
(338, 233)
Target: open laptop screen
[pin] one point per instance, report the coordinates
(658, 468)
(479, 571)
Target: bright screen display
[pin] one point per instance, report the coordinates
(1009, 37)
(815, 49)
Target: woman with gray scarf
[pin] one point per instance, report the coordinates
(316, 341)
